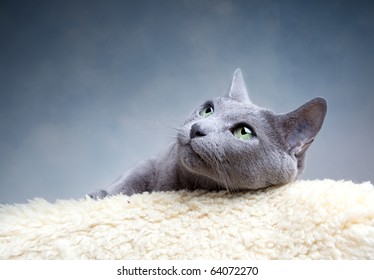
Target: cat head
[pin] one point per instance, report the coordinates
(240, 145)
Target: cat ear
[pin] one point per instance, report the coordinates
(301, 126)
(238, 90)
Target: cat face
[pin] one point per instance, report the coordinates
(242, 146)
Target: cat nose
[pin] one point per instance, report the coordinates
(196, 131)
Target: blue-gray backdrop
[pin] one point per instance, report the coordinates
(89, 88)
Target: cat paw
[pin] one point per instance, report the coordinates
(98, 195)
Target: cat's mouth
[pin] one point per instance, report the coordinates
(192, 157)
(195, 151)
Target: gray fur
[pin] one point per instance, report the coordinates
(208, 156)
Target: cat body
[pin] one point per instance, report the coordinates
(229, 143)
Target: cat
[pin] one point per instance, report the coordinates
(229, 143)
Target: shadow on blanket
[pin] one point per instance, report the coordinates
(303, 220)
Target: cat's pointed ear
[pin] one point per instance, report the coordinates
(301, 126)
(238, 90)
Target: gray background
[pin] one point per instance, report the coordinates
(90, 88)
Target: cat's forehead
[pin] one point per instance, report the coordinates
(228, 106)
(230, 112)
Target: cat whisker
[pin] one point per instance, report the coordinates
(216, 160)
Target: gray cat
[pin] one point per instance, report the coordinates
(228, 143)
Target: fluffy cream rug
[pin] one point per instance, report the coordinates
(303, 220)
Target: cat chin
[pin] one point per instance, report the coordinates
(194, 163)
(190, 159)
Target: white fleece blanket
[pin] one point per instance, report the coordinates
(303, 220)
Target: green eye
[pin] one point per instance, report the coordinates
(206, 111)
(243, 133)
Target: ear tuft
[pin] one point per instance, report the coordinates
(238, 90)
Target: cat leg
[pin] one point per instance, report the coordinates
(98, 194)
(136, 180)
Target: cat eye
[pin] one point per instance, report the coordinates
(206, 111)
(243, 133)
